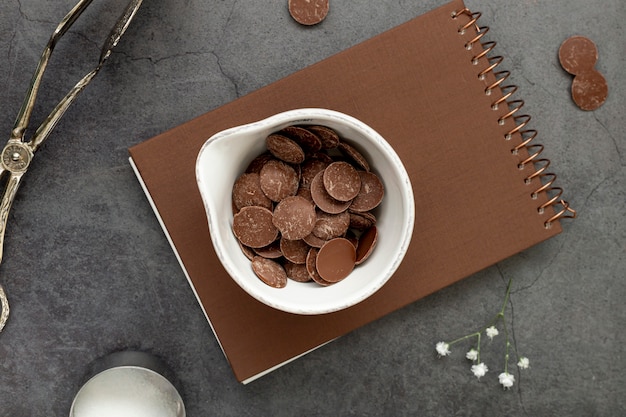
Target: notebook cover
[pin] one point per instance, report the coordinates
(416, 85)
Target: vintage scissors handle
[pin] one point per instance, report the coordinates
(17, 154)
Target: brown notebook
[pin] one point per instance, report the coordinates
(481, 188)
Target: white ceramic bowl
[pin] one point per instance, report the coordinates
(225, 156)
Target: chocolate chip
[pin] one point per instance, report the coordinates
(278, 180)
(362, 221)
(295, 217)
(294, 250)
(297, 272)
(253, 226)
(341, 181)
(329, 226)
(309, 169)
(335, 260)
(309, 141)
(247, 192)
(284, 149)
(257, 163)
(271, 251)
(329, 138)
(353, 154)
(371, 192)
(311, 267)
(323, 200)
(314, 241)
(367, 242)
(270, 272)
(308, 12)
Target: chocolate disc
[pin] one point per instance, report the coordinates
(297, 272)
(311, 261)
(294, 250)
(329, 226)
(278, 180)
(271, 251)
(253, 226)
(323, 200)
(309, 169)
(335, 260)
(341, 181)
(366, 244)
(353, 154)
(314, 241)
(295, 217)
(329, 138)
(258, 162)
(308, 12)
(578, 56)
(270, 272)
(309, 141)
(362, 221)
(371, 192)
(284, 149)
(247, 192)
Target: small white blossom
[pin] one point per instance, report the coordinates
(506, 379)
(523, 363)
(443, 349)
(491, 332)
(479, 370)
(472, 355)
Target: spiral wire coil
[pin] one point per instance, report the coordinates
(561, 207)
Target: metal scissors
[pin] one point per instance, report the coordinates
(18, 152)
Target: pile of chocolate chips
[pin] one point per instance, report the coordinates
(303, 209)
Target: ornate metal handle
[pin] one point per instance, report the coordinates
(17, 154)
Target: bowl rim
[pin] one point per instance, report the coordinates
(304, 116)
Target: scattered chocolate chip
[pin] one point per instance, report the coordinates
(578, 56)
(308, 12)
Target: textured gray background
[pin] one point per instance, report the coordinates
(89, 271)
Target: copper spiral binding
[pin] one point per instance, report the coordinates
(520, 121)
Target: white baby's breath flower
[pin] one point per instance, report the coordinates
(491, 332)
(479, 370)
(523, 363)
(506, 379)
(472, 355)
(443, 349)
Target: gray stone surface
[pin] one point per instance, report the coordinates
(89, 271)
